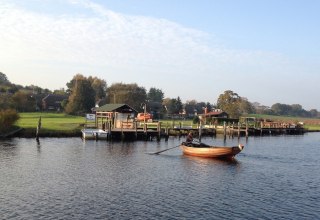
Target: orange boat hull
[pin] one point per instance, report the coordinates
(212, 152)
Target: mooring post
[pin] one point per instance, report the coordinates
(136, 130)
(224, 130)
(247, 132)
(200, 131)
(159, 131)
(38, 129)
(232, 129)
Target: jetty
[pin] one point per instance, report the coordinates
(119, 122)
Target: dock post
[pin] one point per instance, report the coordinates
(200, 131)
(224, 130)
(159, 131)
(38, 129)
(122, 133)
(239, 125)
(136, 130)
(232, 131)
(247, 132)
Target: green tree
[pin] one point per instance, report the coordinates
(155, 95)
(6, 101)
(130, 94)
(280, 109)
(173, 106)
(23, 101)
(190, 107)
(4, 79)
(314, 113)
(229, 102)
(99, 86)
(7, 118)
(82, 97)
(246, 107)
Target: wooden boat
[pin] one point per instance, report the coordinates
(203, 150)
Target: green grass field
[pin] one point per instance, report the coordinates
(62, 123)
(58, 122)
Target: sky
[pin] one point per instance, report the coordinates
(267, 51)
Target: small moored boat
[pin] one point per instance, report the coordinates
(93, 133)
(203, 150)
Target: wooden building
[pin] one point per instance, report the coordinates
(118, 121)
(215, 116)
(112, 116)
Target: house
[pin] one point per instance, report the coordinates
(115, 115)
(215, 116)
(52, 102)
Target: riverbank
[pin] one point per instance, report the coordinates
(62, 125)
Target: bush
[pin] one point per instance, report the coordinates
(7, 119)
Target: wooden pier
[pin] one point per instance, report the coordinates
(261, 128)
(118, 122)
(144, 131)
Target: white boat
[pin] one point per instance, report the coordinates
(94, 133)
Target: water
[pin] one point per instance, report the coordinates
(276, 177)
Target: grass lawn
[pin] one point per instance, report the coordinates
(58, 122)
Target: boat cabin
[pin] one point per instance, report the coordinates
(111, 116)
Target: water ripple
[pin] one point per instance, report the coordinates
(69, 179)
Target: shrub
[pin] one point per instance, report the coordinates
(7, 118)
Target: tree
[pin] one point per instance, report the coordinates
(6, 101)
(246, 107)
(173, 106)
(155, 95)
(130, 94)
(7, 118)
(280, 109)
(190, 107)
(82, 98)
(4, 79)
(229, 102)
(314, 113)
(24, 101)
(99, 86)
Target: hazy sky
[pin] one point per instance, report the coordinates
(265, 50)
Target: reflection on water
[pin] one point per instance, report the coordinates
(67, 178)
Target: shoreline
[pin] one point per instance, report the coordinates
(31, 133)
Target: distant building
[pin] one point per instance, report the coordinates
(215, 114)
(52, 102)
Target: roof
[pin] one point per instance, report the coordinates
(115, 108)
(214, 113)
(54, 98)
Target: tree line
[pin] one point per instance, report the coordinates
(84, 93)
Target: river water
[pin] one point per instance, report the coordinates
(275, 177)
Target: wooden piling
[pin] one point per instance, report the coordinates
(38, 129)
(224, 130)
(200, 131)
(247, 132)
